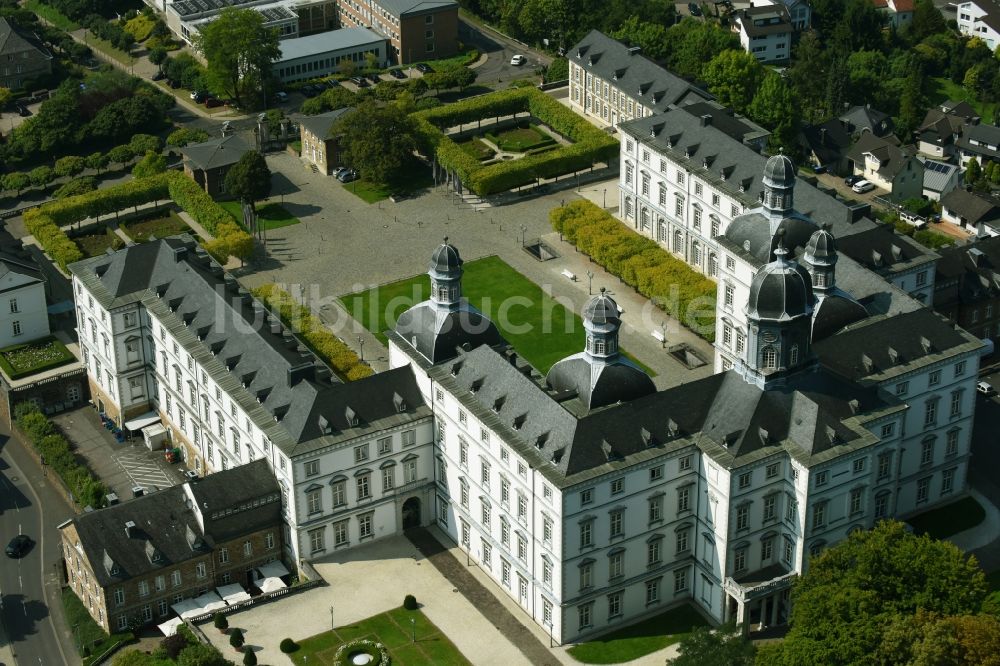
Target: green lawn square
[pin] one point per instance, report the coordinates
(31, 357)
(540, 329)
(640, 639)
(272, 215)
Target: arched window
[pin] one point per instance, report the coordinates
(599, 346)
(645, 218)
(713, 264)
(769, 358)
(793, 355)
(590, 344)
(819, 279)
(696, 253)
(715, 226)
(678, 242)
(661, 230)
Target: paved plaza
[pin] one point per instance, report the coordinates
(344, 245)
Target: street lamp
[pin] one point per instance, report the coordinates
(590, 282)
(524, 230)
(413, 630)
(605, 198)
(332, 625)
(361, 354)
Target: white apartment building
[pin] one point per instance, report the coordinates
(167, 337)
(980, 19)
(612, 83)
(23, 312)
(765, 31)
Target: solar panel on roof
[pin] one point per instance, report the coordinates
(937, 167)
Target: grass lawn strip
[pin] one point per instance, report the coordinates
(477, 149)
(394, 630)
(949, 520)
(94, 245)
(161, 227)
(52, 15)
(273, 215)
(369, 192)
(90, 638)
(32, 357)
(943, 88)
(491, 285)
(521, 138)
(640, 639)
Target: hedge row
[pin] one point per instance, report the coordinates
(300, 319)
(44, 223)
(590, 143)
(671, 284)
(54, 448)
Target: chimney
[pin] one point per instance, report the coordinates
(634, 50)
(130, 529)
(706, 120)
(297, 373)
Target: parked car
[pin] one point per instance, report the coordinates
(309, 91)
(213, 102)
(850, 180)
(862, 186)
(332, 83)
(23, 111)
(198, 96)
(159, 76)
(375, 78)
(694, 8)
(518, 60)
(18, 546)
(424, 68)
(174, 84)
(281, 96)
(819, 168)
(359, 81)
(397, 73)
(347, 175)
(985, 388)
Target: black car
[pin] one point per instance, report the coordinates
(18, 546)
(347, 175)
(309, 91)
(397, 74)
(694, 9)
(850, 180)
(375, 78)
(359, 81)
(23, 111)
(332, 83)
(424, 68)
(159, 76)
(174, 84)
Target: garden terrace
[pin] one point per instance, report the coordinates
(32, 357)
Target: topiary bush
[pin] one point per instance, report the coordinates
(236, 639)
(288, 646)
(249, 658)
(220, 622)
(410, 602)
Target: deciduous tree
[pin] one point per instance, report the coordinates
(651, 37)
(70, 165)
(733, 77)
(249, 180)
(239, 51)
(16, 181)
(151, 164)
(377, 141)
(704, 646)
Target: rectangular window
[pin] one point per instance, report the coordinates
(653, 552)
(887, 430)
(463, 454)
(505, 572)
(522, 548)
(586, 496)
(361, 453)
(522, 508)
(856, 495)
(364, 486)
(175, 578)
(927, 452)
(947, 481)
(652, 591)
(339, 491)
(951, 443)
(742, 517)
(656, 473)
(617, 486)
(617, 524)
(616, 565)
(317, 542)
(882, 505)
(744, 480)
(384, 445)
(312, 468)
(769, 507)
(858, 465)
(772, 470)
(960, 368)
(388, 478)
(956, 403)
(484, 475)
(409, 437)
(365, 526)
(934, 378)
(585, 615)
(586, 534)
(740, 560)
(884, 465)
(656, 508)
(680, 580)
(766, 549)
(684, 499)
(822, 478)
(340, 533)
(586, 575)
(819, 516)
(314, 501)
(923, 489)
(682, 541)
(684, 464)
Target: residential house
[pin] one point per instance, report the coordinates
(968, 287)
(167, 337)
(23, 308)
(860, 120)
(974, 212)
(131, 562)
(765, 31)
(941, 128)
(826, 145)
(898, 12)
(612, 83)
(416, 29)
(940, 178)
(319, 146)
(799, 12)
(980, 18)
(887, 166)
(23, 59)
(980, 141)
(207, 163)
(898, 259)
(315, 56)
(731, 123)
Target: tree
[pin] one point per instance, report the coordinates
(733, 77)
(97, 161)
(16, 181)
(5, 96)
(651, 37)
(41, 176)
(249, 180)
(151, 164)
(186, 135)
(379, 142)
(807, 77)
(852, 593)
(460, 77)
(724, 646)
(691, 44)
(236, 639)
(121, 154)
(239, 51)
(774, 107)
(220, 621)
(557, 71)
(927, 20)
(972, 171)
(70, 165)
(200, 654)
(249, 658)
(158, 56)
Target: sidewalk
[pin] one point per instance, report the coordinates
(985, 532)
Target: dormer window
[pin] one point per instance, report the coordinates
(351, 416)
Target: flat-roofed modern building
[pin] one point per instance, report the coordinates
(320, 55)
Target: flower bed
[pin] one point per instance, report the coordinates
(377, 651)
(27, 359)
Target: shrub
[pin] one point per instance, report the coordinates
(75, 187)
(288, 646)
(249, 658)
(670, 283)
(172, 645)
(220, 622)
(410, 602)
(236, 639)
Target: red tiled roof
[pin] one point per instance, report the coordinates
(903, 5)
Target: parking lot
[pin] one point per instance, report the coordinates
(145, 468)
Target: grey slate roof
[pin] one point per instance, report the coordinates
(413, 7)
(734, 168)
(971, 206)
(984, 136)
(324, 42)
(738, 127)
(937, 174)
(321, 124)
(436, 333)
(14, 41)
(864, 118)
(165, 523)
(611, 60)
(892, 159)
(892, 345)
(276, 380)
(833, 312)
(827, 140)
(11, 263)
(217, 152)
(968, 273)
(885, 252)
(764, 20)
(600, 384)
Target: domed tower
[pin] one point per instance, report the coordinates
(779, 312)
(779, 184)
(600, 375)
(820, 259)
(437, 327)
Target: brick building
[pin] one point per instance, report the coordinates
(318, 146)
(22, 58)
(129, 563)
(207, 163)
(966, 290)
(417, 29)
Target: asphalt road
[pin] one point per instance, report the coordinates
(29, 587)
(986, 459)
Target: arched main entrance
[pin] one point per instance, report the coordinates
(411, 513)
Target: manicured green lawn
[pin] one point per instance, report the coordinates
(639, 639)
(271, 214)
(948, 520)
(943, 88)
(417, 179)
(541, 330)
(94, 245)
(162, 226)
(88, 635)
(521, 138)
(393, 629)
(31, 357)
(51, 14)
(476, 148)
